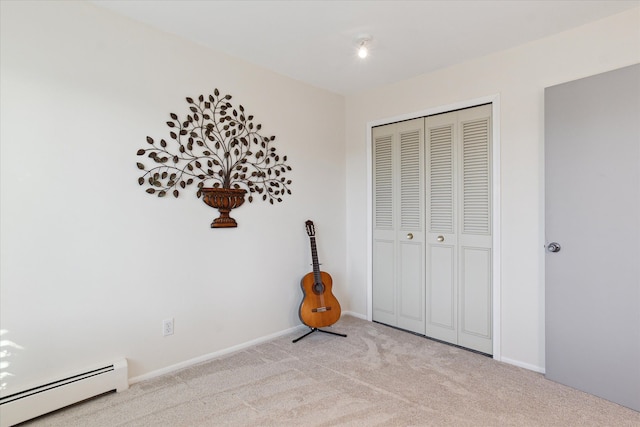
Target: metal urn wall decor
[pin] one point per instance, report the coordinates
(218, 147)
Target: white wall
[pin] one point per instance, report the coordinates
(90, 263)
(519, 77)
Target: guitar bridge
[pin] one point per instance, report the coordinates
(320, 309)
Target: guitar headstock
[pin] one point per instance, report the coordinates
(311, 230)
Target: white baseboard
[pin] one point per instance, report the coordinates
(207, 357)
(354, 314)
(523, 365)
(514, 362)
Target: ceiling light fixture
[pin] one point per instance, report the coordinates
(363, 48)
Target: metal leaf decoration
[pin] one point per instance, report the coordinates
(215, 145)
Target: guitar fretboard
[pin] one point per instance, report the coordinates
(314, 256)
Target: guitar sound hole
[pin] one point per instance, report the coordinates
(318, 288)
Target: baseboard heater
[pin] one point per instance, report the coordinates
(25, 405)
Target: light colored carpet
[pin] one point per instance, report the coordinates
(377, 376)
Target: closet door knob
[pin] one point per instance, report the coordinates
(410, 236)
(440, 239)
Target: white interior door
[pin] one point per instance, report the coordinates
(592, 291)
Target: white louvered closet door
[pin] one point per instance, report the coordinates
(442, 257)
(398, 229)
(458, 241)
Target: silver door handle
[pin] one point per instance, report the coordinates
(553, 247)
(410, 236)
(440, 238)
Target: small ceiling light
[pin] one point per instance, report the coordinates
(363, 48)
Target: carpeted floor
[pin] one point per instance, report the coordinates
(377, 376)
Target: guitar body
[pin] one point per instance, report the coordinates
(319, 307)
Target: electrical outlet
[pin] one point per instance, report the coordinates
(167, 327)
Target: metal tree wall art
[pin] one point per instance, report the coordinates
(218, 148)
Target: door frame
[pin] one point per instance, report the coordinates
(494, 100)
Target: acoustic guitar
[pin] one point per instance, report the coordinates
(319, 307)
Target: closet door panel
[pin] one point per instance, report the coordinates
(474, 237)
(475, 171)
(411, 289)
(475, 299)
(441, 297)
(410, 235)
(441, 259)
(384, 244)
(384, 300)
(383, 192)
(398, 235)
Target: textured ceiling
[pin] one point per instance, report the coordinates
(315, 41)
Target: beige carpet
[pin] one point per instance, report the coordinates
(377, 376)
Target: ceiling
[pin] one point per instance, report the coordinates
(316, 41)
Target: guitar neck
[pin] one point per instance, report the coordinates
(316, 264)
